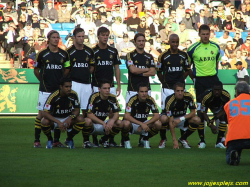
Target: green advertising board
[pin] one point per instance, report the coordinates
(19, 90)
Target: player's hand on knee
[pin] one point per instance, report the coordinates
(145, 127)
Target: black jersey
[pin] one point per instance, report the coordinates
(178, 108)
(173, 67)
(140, 110)
(208, 101)
(101, 108)
(51, 68)
(142, 61)
(80, 62)
(59, 106)
(105, 60)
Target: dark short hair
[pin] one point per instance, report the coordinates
(178, 84)
(63, 80)
(103, 81)
(204, 27)
(77, 30)
(138, 35)
(218, 84)
(142, 84)
(102, 30)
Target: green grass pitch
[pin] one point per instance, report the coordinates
(23, 165)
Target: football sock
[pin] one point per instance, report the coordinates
(125, 134)
(57, 134)
(86, 130)
(201, 132)
(75, 130)
(163, 131)
(47, 131)
(182, 132)
(152, 132)
(191, 128)
(221, 134)
(114, 131)
(37, 129)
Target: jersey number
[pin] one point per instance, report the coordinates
(243, 109)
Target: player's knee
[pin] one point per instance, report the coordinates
(164, 119)
(126, 124)
(195, 120)
(118, 123)
(88, 122)
(79, 119)
(45, 122)
(158, 125)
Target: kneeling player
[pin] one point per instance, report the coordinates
(62, 110)
(215, 100)
(136, 115)
(100, 105)
(174, 115)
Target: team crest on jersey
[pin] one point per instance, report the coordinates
(98, 57)
(147, 62)
(47, 107)
(47, 61)
(212, 52)
(111, 56)
(128, 109)
(74, 60)
(168, 63)
(181, 62)
(147, 109)
(90, 106)
(87, 58)
(58, 106)
(61, 60)
(136, 61)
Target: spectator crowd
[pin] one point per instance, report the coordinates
(23, 29)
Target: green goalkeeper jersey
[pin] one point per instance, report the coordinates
(204, 58)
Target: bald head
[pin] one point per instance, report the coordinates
(174, 42)
(173, 37)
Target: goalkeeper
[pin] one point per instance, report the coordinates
(214, 99)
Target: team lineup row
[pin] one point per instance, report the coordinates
(102, 62)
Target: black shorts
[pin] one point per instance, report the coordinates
(204, 83)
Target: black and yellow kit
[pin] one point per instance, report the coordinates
(173, 67)
(105, 60)
(61, 107)
(215, 104)
(51, 68)
(144, 60)
(80, 62)
(178, 108)
(101, 108)
(140, 109)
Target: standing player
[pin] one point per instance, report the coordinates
(107, 62)
(215, 100)
(140, 66)
(205, 57)
(174, 114)
(136, 115)
(49, 68)
(82, 65)
(173, 67)
(100, 105)
(62, 110)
